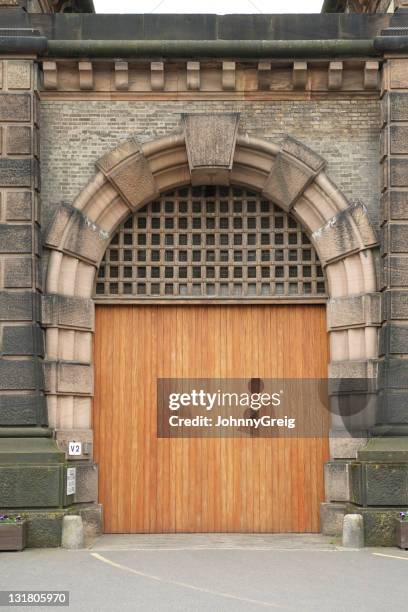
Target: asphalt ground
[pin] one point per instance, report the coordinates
(213, 572)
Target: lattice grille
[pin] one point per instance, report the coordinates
(210, 242)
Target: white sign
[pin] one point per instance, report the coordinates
(74, 448)
(71, 480)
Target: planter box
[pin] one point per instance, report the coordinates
(13, 536)
(401, 533)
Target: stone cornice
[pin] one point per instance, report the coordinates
(263, 78)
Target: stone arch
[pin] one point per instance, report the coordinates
(208, 150)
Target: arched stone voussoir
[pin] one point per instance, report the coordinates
(128, 170)
(210, 142)
(293, 170)
(207, 150)
(349, 231)
(74, 233)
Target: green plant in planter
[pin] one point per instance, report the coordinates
(10, 520)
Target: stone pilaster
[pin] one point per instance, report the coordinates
(32, 468)
(21, 338)
(375, 484)
(392, 415)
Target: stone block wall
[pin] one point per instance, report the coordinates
(21, 337)
(75, 133)
(393, 370)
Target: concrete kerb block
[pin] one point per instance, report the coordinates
(353, 531)
(331, 518)
(72, 532)
(337, 481)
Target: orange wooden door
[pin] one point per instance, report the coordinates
(150, 485)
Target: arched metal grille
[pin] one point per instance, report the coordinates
(210, 242)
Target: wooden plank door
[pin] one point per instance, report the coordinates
(150, 485)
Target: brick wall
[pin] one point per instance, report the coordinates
(75, 134)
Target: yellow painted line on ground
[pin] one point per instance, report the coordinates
(390, 556)
(266, 604)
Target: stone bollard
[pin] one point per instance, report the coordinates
(353, 531)
(72, 532)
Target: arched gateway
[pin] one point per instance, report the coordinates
(280, 189)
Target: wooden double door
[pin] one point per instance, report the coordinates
(151, 485)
